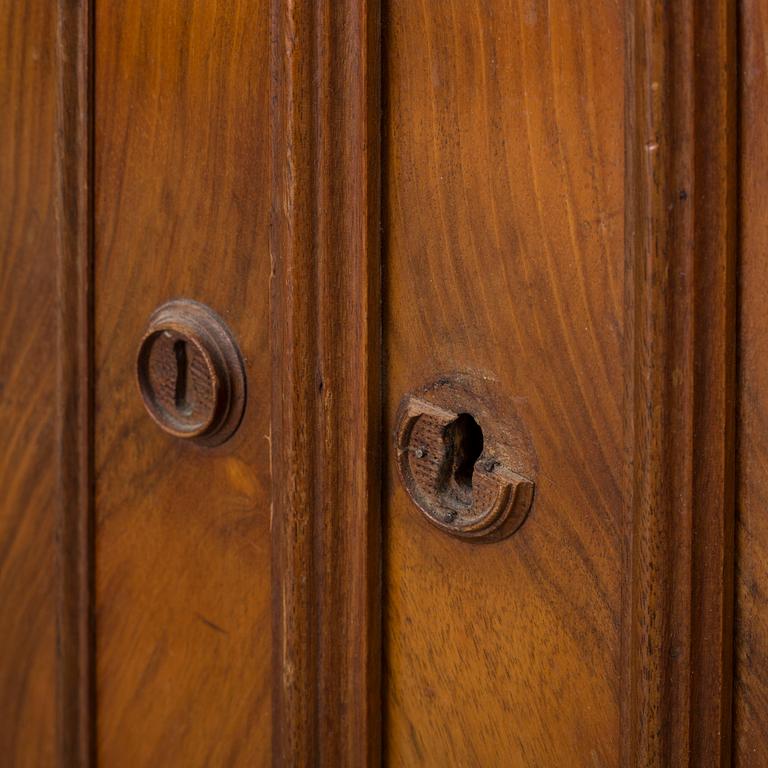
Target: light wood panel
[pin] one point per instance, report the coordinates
(504, 259)
(29, 413)
(182, 532)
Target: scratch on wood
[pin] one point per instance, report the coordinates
(209, 623)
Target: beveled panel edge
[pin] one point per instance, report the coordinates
(326, 357)
(681, 240)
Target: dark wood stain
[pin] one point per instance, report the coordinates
(326, 326)
(680, 419)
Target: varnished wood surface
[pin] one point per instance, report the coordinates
(504, 258)
(29, 471)
(326, 441)
(680, 342)
(74, 380)
(559, 231)
(182, 531)
(751, 657)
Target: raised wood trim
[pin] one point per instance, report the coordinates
(325, 317)
(681, 250)
(75, 411)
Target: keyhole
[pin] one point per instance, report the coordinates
(182, 370)
(463, 443)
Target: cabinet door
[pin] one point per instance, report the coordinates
(504, 272)
(136, 565)
(556, 302)
(181, 531)
(476, 263)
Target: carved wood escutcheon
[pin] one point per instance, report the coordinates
(466, 475)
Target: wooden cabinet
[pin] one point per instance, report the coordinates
(495, 273)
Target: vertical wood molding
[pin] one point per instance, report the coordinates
(325, 315)
(681, 250)
(74, 356)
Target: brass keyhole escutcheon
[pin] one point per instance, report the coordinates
(468, 473)
(190, 373)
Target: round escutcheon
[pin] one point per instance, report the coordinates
(465, 458)
(190, 373)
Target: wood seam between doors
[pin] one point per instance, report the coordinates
(74, 355)
(681, 239)
(325, 336)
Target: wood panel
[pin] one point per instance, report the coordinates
(751, 657)
(326, 390)
(680, 343)
(29, 472)
(182, 531)
(559, 241)
(504, 261)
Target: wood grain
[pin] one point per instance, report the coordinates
(29, 407)
(182, 531)
(751, 657)
(560, 190)
(326, 359)
(74, 439)
(504, 141)
(681, 236)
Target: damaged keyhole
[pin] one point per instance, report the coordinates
(463, 440)
(182, 373)
(464, 478)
